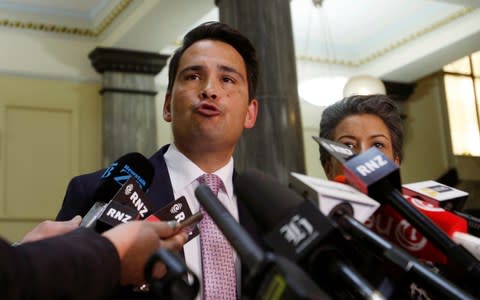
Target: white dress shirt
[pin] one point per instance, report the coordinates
(183, 175)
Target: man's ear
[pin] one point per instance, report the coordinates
(252, 111)
(167, 108)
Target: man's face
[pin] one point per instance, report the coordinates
(208, 105)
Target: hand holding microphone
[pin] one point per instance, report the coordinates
(136, 241)
(49, 228)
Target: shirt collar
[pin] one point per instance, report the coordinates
(183, 172)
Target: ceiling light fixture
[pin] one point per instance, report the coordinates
(363, 85)
(325, 89)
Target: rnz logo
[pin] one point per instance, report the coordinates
(297, 230)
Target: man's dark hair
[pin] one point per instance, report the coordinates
(219, 32)
(378, 105)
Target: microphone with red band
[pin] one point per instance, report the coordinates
(447, 197)
(439, 205)
(376, 175)
(334, 200)
(390, 224)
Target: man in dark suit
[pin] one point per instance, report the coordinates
(210, 100)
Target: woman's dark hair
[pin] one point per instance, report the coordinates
(379, 105)
(223, 33)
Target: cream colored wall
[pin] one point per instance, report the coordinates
(427, 150)
(50, 131)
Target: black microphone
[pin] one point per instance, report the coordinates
(472, 222)
(377, 176)
(113, 178)
(263, 195)
(270, 276)
(175, 284)
(294, 227)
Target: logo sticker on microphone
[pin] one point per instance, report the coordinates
(297, 230)
(131, 195)
(176, 208)
(128, 189)
(300, 231)
(408, 237)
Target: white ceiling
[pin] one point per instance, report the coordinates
(398, 40)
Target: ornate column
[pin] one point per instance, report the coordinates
(128, 90)
(275, 145)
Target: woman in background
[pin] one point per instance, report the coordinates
(362, 122)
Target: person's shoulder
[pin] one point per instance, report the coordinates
(87, 179)
(157, 158)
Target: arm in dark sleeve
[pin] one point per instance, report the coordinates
(78, 265)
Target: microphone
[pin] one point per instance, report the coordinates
(390, 224)
(175, 284)
(296, 229)
(113, 178)
(332, 196)
(129, 165)
(252, 186)
(473, 222)
(377, 176)
(436, 193)
(177, 210)
(444, 196)
(120, 208)
(132, 196)
(270, 276)
(454, 226)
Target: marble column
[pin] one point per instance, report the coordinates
(275, 145)
(128, 104)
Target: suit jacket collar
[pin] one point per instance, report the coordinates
(160, 192)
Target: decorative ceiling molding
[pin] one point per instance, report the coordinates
(390, 47)
(56, 28)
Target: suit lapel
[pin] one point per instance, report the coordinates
(160, 192)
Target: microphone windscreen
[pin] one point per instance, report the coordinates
(255, 189)
(130, 165)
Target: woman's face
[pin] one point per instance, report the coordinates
(361, 132)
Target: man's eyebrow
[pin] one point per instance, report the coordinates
(231, 70)
(191, 68)
(223, 68)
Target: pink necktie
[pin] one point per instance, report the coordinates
(217, 255)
